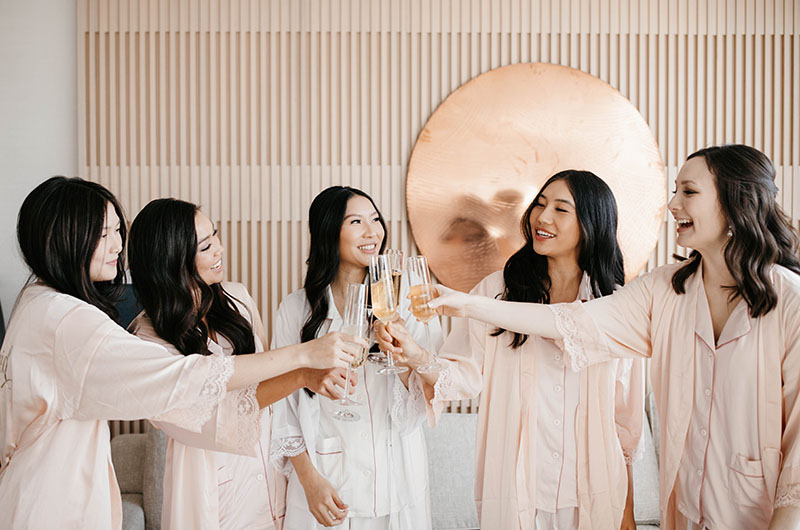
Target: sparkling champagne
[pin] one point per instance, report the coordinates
(356, 331)
(420, 296)
(383, 306)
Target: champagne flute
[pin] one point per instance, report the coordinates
(421, 292)
(354, 323)
(374, 357)
(396, 263)
(384, 305)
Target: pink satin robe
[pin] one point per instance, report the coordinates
(221, 478)
(66, 368)
(608, 423)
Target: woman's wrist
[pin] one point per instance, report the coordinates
(303, 468)
(301, 358)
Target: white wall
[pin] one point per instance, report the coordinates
(38, 114)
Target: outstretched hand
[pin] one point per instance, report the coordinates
(450, 302)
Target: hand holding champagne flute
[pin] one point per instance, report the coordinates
(421, 292)
(355, 324)
(384, 302)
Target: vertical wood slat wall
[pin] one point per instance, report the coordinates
(251, 107)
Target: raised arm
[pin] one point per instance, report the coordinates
(614, 326)
(529, 319)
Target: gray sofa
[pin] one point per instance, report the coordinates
(139, 464)
(451, 457)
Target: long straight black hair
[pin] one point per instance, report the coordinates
(761, 234)
(526, 274)
(163, 249)
(58, 229)
(325, 218)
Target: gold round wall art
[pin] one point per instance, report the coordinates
(484, 153)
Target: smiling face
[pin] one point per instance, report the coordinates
(554, 222)
(695, 206)
(103, 267)
(361, 234)
(209, 250)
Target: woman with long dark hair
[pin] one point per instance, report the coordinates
(370, 473)
(555, 448)
(67, 367)
(723, 332)
(177, 271)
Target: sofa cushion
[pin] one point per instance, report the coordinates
(127, 453)
(132, 511)
(154, 461)
(451, 461)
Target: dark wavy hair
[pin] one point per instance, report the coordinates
(325, 218)
(163, 248)
(762, 235)
(58, 229)
(526, 276)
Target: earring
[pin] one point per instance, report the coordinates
(730, 231)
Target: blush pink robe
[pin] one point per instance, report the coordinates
(66, 368)
(647, 318)
(221, 478)
(608, 423)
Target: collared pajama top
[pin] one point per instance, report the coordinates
(729, 420)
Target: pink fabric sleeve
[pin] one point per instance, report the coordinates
(103, 372)
(629, 407)
(788, 489)
(462, 355)
(614, 326)
(235, 424)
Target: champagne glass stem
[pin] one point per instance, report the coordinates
(431, 357)
(346, 383)
(389, 359)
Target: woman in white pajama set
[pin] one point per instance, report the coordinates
(367, 474)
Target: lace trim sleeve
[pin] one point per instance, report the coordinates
(632, 456)
(283, 449)
(571, 342)
(249, 415)
(408, 405)
(441, 389)
(788, 495)
(212, 392)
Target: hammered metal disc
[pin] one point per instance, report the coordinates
(493, 142)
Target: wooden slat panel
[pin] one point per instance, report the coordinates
(251, 107)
